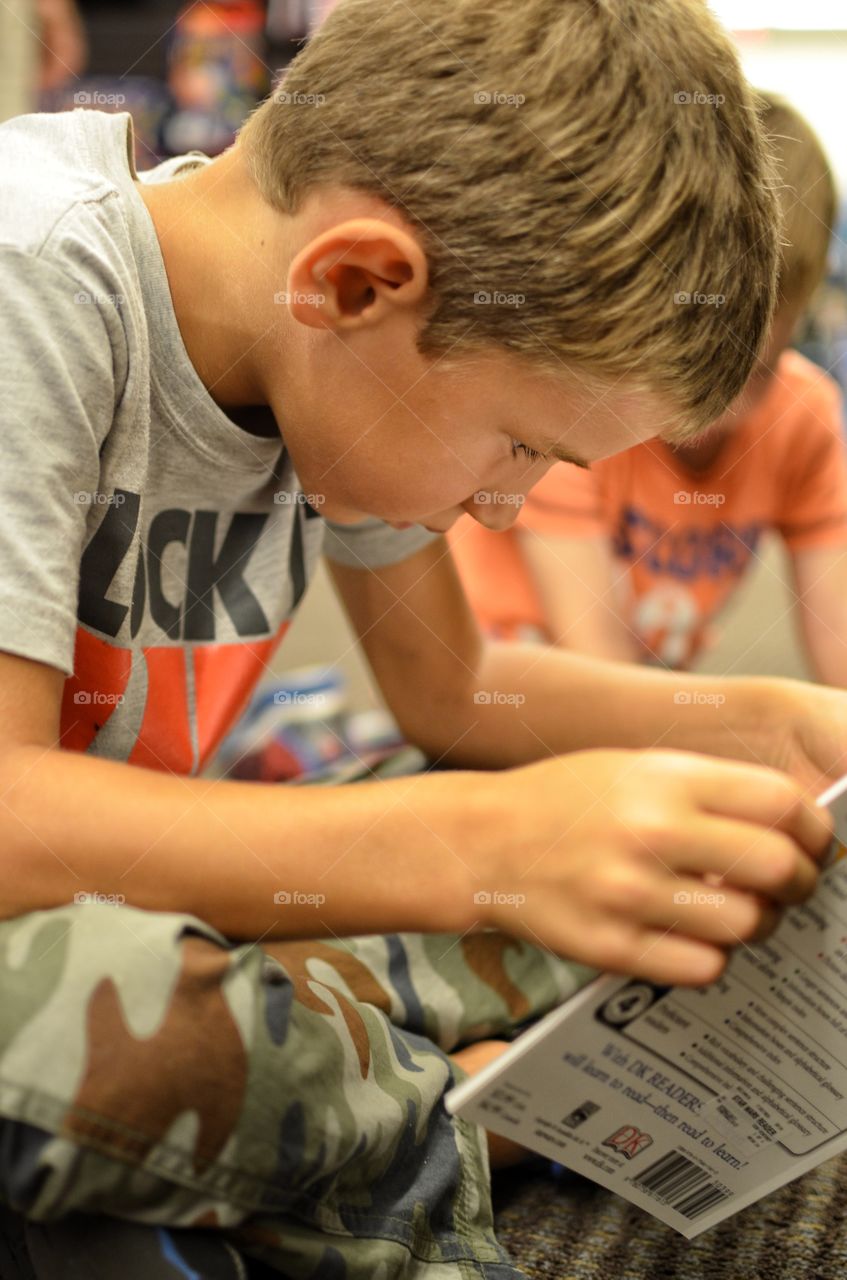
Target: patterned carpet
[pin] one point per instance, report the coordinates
(575, 1230)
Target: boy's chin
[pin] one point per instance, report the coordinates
(338, 513)
(408, 524)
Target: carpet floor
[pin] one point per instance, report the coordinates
(573, 1229)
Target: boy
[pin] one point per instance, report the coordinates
(635, 559)
(215, 374)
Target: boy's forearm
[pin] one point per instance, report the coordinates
(527, 702)
(361, 858)
(612, 643)
(819, 582)
(826, 645)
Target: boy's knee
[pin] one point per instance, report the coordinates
(116, 1021)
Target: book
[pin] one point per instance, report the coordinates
(692, 1102)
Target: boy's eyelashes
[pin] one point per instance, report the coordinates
(530, 453)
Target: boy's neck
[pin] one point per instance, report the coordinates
(700, 455)
(210, 238)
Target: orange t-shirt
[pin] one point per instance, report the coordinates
(685, 537)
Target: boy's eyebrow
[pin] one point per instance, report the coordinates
(562, 455)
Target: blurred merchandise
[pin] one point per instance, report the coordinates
(295, 19)
(298, 729)
(216, 72)
(147, 101)
(200, 84)
(371, 733)
(288, 19)
(292, 726)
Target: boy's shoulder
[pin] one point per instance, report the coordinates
(56, 165)
(802, 397)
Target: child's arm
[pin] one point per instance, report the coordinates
(820, 581)
(493, 705)
(583, 854)
(579, 586)
(813, 525)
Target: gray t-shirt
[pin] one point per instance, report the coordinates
(150, 548)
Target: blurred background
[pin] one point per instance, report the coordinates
(190, 73)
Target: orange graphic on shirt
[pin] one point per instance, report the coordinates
(224, 676)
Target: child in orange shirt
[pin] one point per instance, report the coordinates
(635, 558)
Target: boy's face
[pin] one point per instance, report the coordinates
(375, 429)
(316, 315)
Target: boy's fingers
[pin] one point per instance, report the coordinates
(722, 915)
(746, 856)
(769, 799)
(771, 917)
(666, 957)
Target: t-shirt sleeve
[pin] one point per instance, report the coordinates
(566, 502)
(814, 512)
(373, 544)
(56, 402)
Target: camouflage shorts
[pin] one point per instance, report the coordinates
(288, 1096)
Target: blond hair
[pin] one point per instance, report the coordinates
(602, 160)
(808, 198)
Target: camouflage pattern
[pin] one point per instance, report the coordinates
(288, 1095)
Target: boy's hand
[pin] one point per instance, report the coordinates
(805, 733)
(602, 855)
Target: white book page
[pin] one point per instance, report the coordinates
(693, 1102)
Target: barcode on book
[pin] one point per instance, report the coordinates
(682, 1184)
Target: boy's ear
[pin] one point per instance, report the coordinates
(353, 274)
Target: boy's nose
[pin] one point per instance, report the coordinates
(495, 510)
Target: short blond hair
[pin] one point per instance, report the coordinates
(807, 195)
(603, 160)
